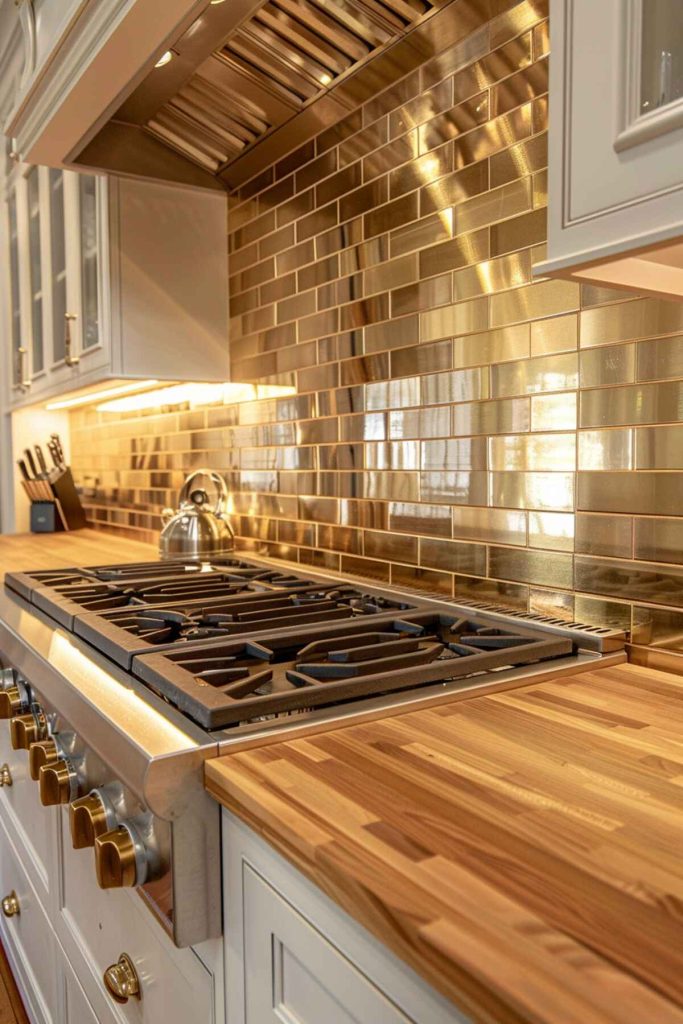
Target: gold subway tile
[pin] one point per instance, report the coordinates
(554, 412)
(454, 386)
(520, 160)
(457, 56)
(499, 417)
(311, 327)
(495, 64)
(494, 205)
(534, 301)
(297, 256)
(539, 114)
(392, 334)
(367, 254)
(386, 158)
(421, 171)
(320, 559)
(518, 233)
(545, 568)
(422, 359)
(500, 526)
(444, 127)
(541, 40)
(317, 222)
(356, 146)
(659, 627)
(492, 137)
(365, 311)
(551, 491)
(462, 318)
(651, 493)
(454, 453)
(391, 98)
(417, 578)
(628, 321)
(365, 198)
(341, 456)
(520, 87)
(436, 291)
(340, 538)
(390, 547)
(339, 238)
(558, 334)
(598, 295)
(389, 485)
(321, 271)
(453, 556)
(255, 274)
(244, 302)
(313, 378)
(420, 234)
(293, 308)
(640, 403)
(514, 595)
(365, 567)
(296, 533)
(556, 604)
(312, 173)
(392, 455)
(641, 581)
(254, 230)
(393, 394)
(519, 18)
(364, 427)
(604, 535)
(543, 373)
(601, 612)
(243, 259)
(495, 346)
(416, 518)
(659, 448)
(453, 189)
(372, 515)
(613, 364)
(421, 108)
(532, 452)
(657, 539)
(320, 430)
(551, 530)
(605, 449)
(257, 184)
(659, 359)
(490, 276)
(456, 488)
(297, 158)
(365, 368)
(391, 274)
(279, 288)
(301, 204)
(539, 189)
(392, 215)
(352, 123)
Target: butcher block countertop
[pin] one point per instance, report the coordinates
(522, 851)
(28, 551)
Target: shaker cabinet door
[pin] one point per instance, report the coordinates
(292, 973)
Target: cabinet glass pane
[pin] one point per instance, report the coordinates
(661, 55)
(58, 252)
(38, 359)
(15, 308)
(89, 260)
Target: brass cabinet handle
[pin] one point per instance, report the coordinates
(69, 359)
(10, 905)
(121, 980)
(5, 775)
(23, 381)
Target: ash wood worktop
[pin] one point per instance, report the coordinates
(522, 851)
(27, 551)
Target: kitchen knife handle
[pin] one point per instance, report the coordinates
(41, 459)
(30, 463)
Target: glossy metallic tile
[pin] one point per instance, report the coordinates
(452, 123)
(340, 538)
(391, 547)
(439, 584)
(558, 334)
(604, 535)
(421, 108)
(392, 334)
(554, 412)
(365, 198)
(492, 346)
(557, 604)
(551, 569)
(518, 232)
(490, 276)
(661, 627)
(492, 137)
(659, 448)
(551, 491)
(455, 488)
(500, 526)
(499, 417)
(640, 318)
(638, 581)
(641, 403)
(513, 595)
(658, 539)
(553, 531)
(391, 274)
(365, 368)
(454, 58)
(495, 205)
(635, 493)
(660, 359)
(365, 567)
(532, 452)
(420, 423)
(356, 146)
(520, 87)
(454, 453)
(463, 318)
(602, 612)
(544, 373)
(519, 161)
(371, 515)
(436, 291)
(453, 556)
(606, 449)
(386, 158)
(613, 364)
(364, 427)
(421, 171)
(392, 455)
(417, 518)
(421, 359)
(545, 298)
(389, 485)
(393, 394)
(420, 234)
(454, 386)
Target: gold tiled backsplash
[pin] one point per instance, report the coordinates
(457, 427)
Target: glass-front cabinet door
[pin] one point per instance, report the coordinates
(19, 353)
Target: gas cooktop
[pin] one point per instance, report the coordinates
(236, 642)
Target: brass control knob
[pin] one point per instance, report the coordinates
(88, 820)
(25, 730)
(11, 701)
(57, 781)
(115, 861)
(5, 775)
(40, 753)
(10, 905)
(121, 980)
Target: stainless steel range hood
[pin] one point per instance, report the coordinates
(250, 80)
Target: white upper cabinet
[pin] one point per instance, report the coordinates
(110, 278)
(616, 143)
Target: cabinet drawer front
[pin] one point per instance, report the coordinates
(96, 926)
(292, 973)
(32, 826)
(28, 937)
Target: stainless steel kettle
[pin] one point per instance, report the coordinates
(197, 529)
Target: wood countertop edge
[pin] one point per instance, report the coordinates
(447, 950)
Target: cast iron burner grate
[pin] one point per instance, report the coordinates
(238, 682)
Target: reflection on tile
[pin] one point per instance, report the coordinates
(492, 206)
(661, 627)
(421, 171)
(544, 373)
(656, 494)
(640, 403)
(502, 526)
(551, 569)
(406, 517)
(518, 161)
(659, 539)
(392, 455)
(466, 488)
(551, 530)
(420, 234)
(455, 386)
(492, 346)
(514, 595)
(459, 119)
(604, 535)
(391, 215)
(463, 318)
(552, 491)
(557, 604)
(506, 416)
(554, 412)
(391, 547)
(340, 538)
(439, 584)
(391, 274)
(614, 364)
(368, 514)
(420, 423)
(659, 448)
(641, 318)
(421, 108)
(452, 556)
(459, 252)
(535, 300)
(533, 452)
(365, 567)
(639, 581)
(437, 291)
(399, 486)
(491, 275)
(559, 334)
(393, 394)
(660, 359)
(518, 232)
(606, 449)
(464, 453)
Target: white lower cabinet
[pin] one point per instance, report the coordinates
(294, 957)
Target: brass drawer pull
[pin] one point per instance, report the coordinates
(69, 359)
(5, 775)
(121, 980)
(10, 905)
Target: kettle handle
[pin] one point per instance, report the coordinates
(220, 487)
